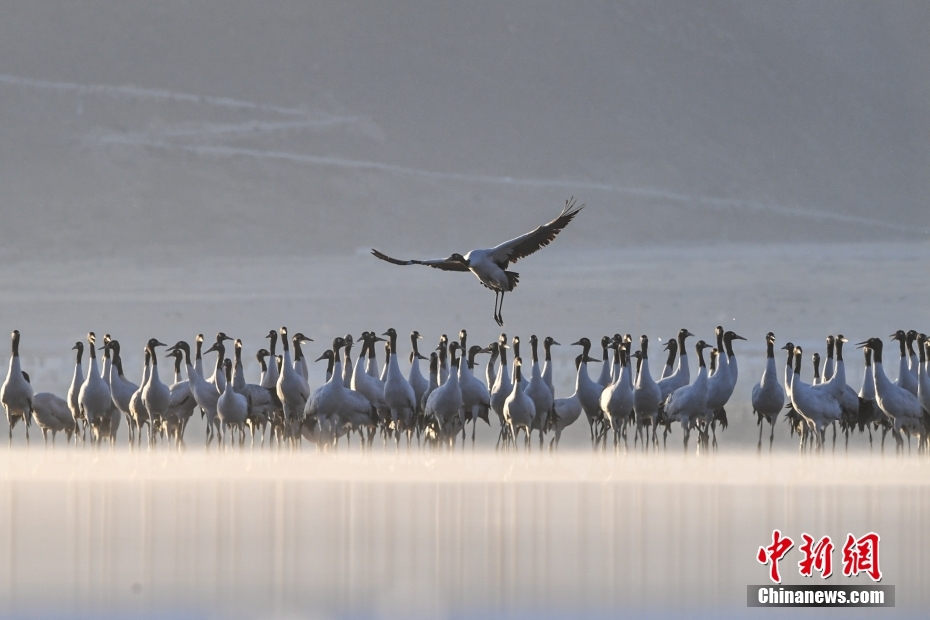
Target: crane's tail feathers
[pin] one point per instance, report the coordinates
(483, 414)
(720, 415)
(513, 278)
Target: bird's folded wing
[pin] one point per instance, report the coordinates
(524, 245)
(437, 263)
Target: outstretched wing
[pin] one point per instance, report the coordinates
(524, 245)
(437, 263)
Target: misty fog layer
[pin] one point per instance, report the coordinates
(303, 128)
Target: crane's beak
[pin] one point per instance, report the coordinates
(738, 337)
(575, 344)
(860, 345)
(557, 343)
(158, 343)
(322, 357)
(591, 359)
(212, 348)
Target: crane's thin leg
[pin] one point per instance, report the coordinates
(500, 312)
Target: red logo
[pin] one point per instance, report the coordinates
(773, 553)
(819, 556)
(861, 556)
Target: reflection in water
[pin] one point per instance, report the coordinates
(275, 535)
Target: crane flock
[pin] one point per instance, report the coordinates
(360, 398)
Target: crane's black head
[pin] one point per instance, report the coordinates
(475, 349)
(684, 333)
(770, 337)
(873, 343)
(154, 342)
(299, 337)
(78, 346)
(605, 341)
(549, 341)
(701, 345)
(899, 335)
(261, 354)
(458, 258)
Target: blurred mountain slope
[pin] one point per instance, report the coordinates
(295, 127)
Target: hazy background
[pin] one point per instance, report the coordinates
(305, 128)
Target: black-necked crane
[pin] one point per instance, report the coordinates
(589, 392)
(687, 403)
(77, 380)
(538, 392)
(94, 397)
(900, 405)
(476, 400)
(490, 265)
(768, 396)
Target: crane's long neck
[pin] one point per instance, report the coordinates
(503, 369)
(672, 353)
(789, 370)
